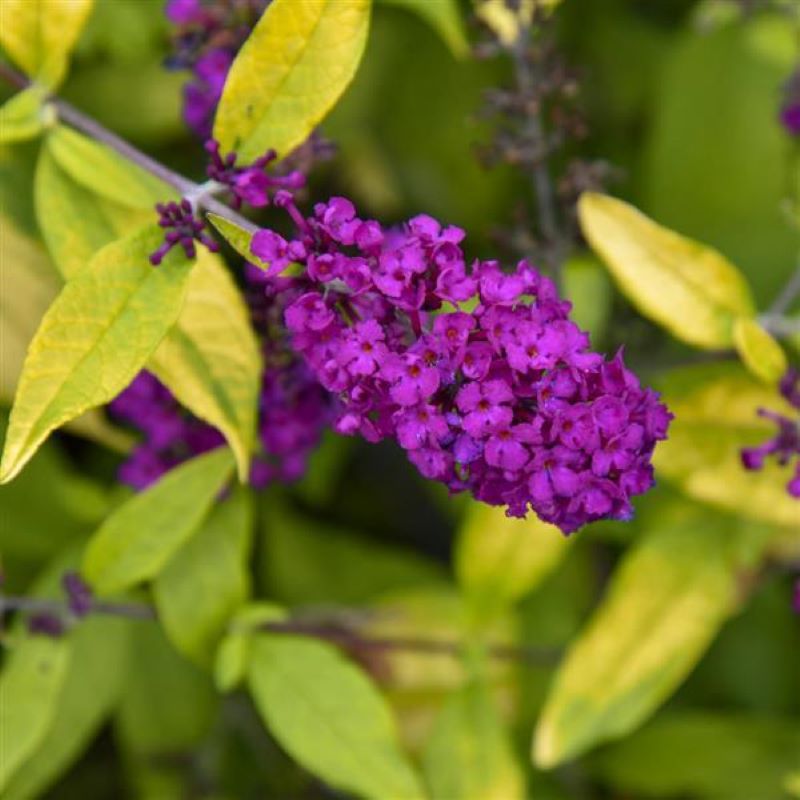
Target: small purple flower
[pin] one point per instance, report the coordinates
(412, 380)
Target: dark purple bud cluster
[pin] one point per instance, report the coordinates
(293, 410)
(784, 447)
(477, 373)
(250, 183)
(209, 34)
(183, 228)
(790, 108)
(55, 623)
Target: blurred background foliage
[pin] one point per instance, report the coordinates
(681, 97)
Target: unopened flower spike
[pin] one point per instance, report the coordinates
(249, 183)
(784, 446)
(183, 228)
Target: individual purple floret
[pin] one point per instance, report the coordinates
(249, 183)
(183, 228)
(500, 396)
(784, 447)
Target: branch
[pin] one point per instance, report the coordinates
(80, 121)
(336, 633)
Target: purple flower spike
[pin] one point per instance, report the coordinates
(784, 447)
(183, 228)
(501, 397)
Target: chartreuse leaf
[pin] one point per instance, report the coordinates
(444, 16)
(293, 67)
(666, 602)
(715, 417)
(469, 753)
(761, 354)
(75, 221)
(714, 756)
(237, 237)
(499, 559)
(329, 717)
(96, 167)
(29, 285)
(39, 35)
(135, 543)
(689, 289)
(210, 360)
(94, 677)
(23, 116)
(30, 684)
(207, 579)
(97, 335)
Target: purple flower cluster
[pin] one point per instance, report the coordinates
(477, 373)
(249, 183)
(293, 410)
(208, 37)
(784, 447)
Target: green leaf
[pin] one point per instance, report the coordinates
(135, 543)
(210, 359)
(289, 73)
(30, 284)
(39, 35)
(32, 530)
(96, 167)
(207, 579)
(329, 717)
(94, 677)
(167, 704)
(23, 116)
(761, 354)
(689, 289)
(715, 417)
(499, 559)
(96, 336)
(444, 16)
(712, 756)
(233, 654)
(666, 601)
(469, 754)
(29, 685)
(74, 221)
